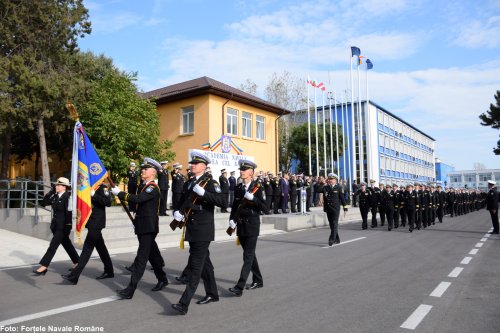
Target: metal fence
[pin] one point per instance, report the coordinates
(23, 194)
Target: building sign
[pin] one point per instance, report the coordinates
(222, 161)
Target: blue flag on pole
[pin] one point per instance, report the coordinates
(355, 51)
(369, 64)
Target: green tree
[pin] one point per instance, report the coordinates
(492, 118)
(120, 123)
(299, 150)
(36, 38)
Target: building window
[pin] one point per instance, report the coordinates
(260, 127)
(246, 118)
(232, 121)
(187, 119)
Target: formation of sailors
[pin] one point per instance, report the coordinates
(418, 205)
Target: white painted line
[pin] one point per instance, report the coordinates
(479, 244)
(52, 312)
(473, 251)
(417, 316)
(342, 243)
(484, 239)
(456, 272)
(487, 235)
(465, 260)
(440, 289)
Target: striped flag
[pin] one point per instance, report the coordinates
(87, 174)
(321, 86)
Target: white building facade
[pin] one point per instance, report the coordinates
(476, 179)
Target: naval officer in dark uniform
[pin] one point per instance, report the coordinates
(146, 226)
(249, 201)
(333, 199)
(100, 199)
(133, 176)
(492, 205)
(200, 231)
(163, 183)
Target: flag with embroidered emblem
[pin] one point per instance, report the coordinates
(87, 174)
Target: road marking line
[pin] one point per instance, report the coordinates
(37, 264)
(456, 272)
(465, 260)
(479, 244)
(417, 316)
(473, 251)
(487, 235)
(440, 289)
(484, 239)
(63, 309)
(342, 243)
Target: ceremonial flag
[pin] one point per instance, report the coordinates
(355, 51)
(369, 64)
(360, 62)
(321, 86)
(312, 83)
(87, 173)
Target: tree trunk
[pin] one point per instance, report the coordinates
(4, 168)
(43, 154)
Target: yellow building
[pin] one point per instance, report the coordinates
(204, 111)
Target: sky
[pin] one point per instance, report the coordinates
(436, 62)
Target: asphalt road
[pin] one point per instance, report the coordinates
(441, 279)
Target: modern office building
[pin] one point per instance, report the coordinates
(477, 179)
(442, 171)
(393, 150)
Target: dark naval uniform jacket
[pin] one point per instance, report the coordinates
(61, 217)
(333, 198)
(100, 201)
(200, 222)
(147, 200)
(247, 213)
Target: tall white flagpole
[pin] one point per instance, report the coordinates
(324, 131)
(337, 130)
(348, 163)
(309, 127)
(316, 122)
(353, 130)
(330, 116)
(368, 122)
(360, 131)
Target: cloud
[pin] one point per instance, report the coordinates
(113, 23)
(480, 33)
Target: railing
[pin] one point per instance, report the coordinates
(22, 193)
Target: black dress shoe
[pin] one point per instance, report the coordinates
(181, 279)
(236, 291)
(160, 285)
(207, 299)
(254, 285)
(330, 242)
(126, 293)
(129, 268)
(37, 273)
(180, 308)
(493, 232)
(105, 275)
(70, 278)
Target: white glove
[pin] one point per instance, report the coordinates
(178, 216)
(199, 190)
(115, 190)
(248, 196)
(232, 224)
(92, 193)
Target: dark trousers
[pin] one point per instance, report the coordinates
(276, 203)
(61, 237)
(269, 202)
(175, 200)
(425, 217)
(147, 250)
(389, 212)
(163, 202)
(354, 200)
(231, 198)
(250, 264)
(402, 212)
(93, 240)
(410, 214)
(396, 217)
(333, 220)
(374, 216)
(200, 266)
(364, 215)
(293, 201)
(494, 220)
(418, 218)
(439, 213)
(284, 202)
